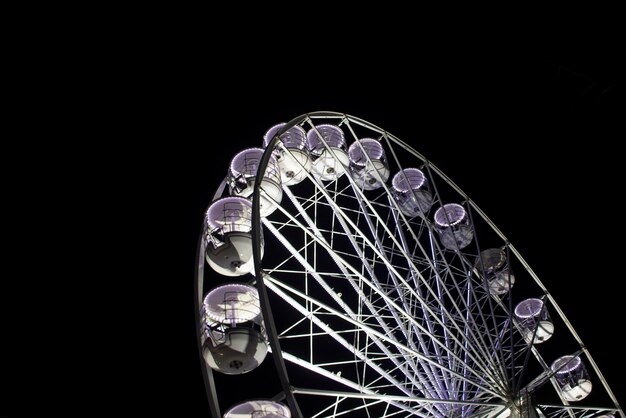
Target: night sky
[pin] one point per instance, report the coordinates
(529, 138)
(138, 132)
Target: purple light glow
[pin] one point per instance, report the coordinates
(368, 146)
(566, 364)
(230, 214)
(294, 137)
(529, 308)
(408, 179)
(449, 215)
(246, 162)
(233, 302)
(271, 132)
(332, 134)
(258, 409)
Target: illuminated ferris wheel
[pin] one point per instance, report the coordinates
(393, 294)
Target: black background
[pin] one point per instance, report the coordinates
(532, 136)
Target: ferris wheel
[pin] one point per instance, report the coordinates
(377, 288)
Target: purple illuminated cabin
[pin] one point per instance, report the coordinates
(532, 315)
(572, 378)
(228, 236)
(258, 409)
(291, 153)
(233, 336)
(453, 226)
(368, 163)
(328, 151)
(242, 176)
(410, 190)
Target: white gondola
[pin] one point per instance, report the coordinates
(492, 265)
(242, 176)
(534, 320)
(394, 302)
(258, 409)
(572, 378)
(328, 151)
(453, 226)
(410, 190)
(234, 341)
(368, 163)
(292, 153)
(228, 236)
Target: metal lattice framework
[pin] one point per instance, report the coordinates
(378, 318)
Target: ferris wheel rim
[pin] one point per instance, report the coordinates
(257, 226)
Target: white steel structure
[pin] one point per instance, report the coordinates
(394, 295)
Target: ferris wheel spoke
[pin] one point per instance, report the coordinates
(395, 294)
(469, 329)
(468, 326)
(366, 404)
(372, 333)
(438, 253)
(420, 382)
(363, 297)
(444, 315)
(397, 287)
(361, 199)
(374, 312)
(360, 390)
(399, 322)
(559, 411)
(433, 170)
(496, 345)
(419, 400)
(429, 323)
(489, 408)
(311, 224)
